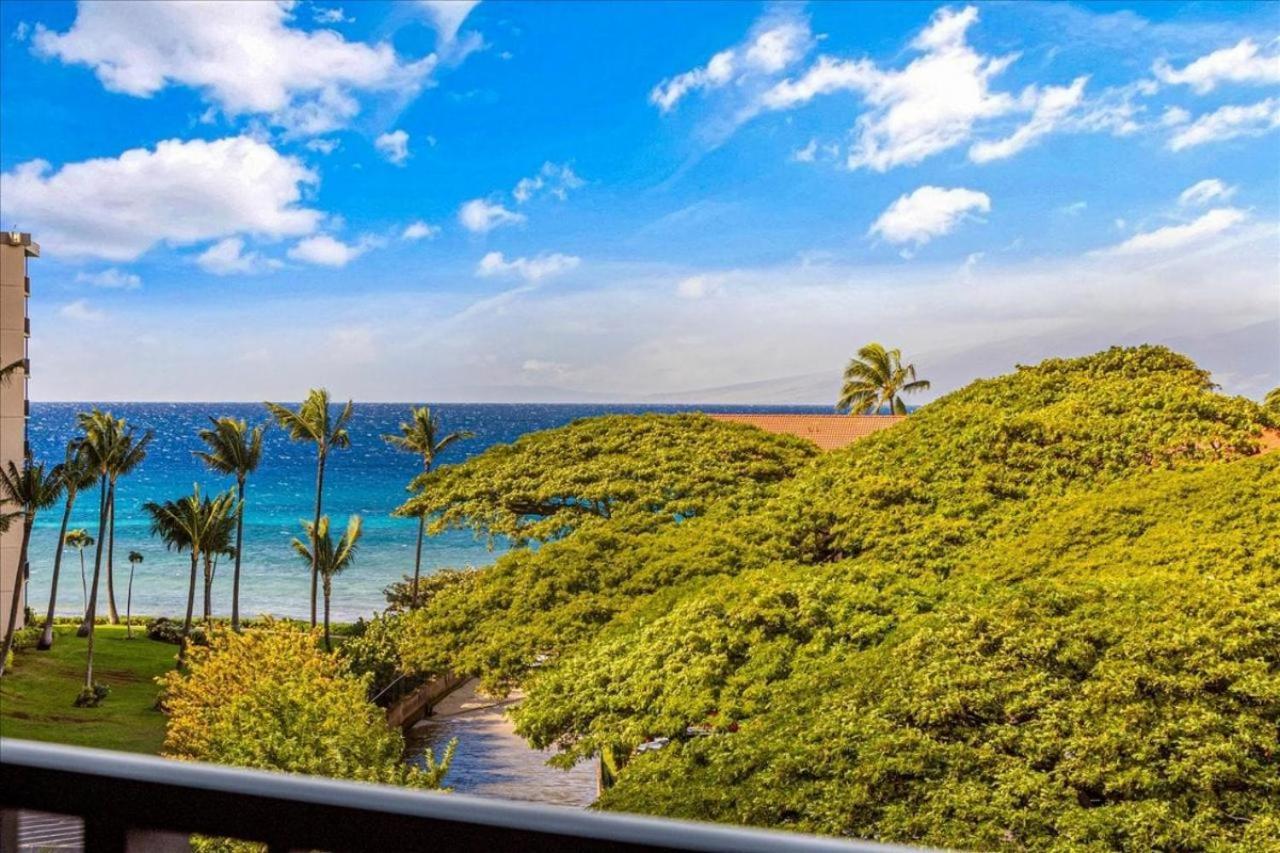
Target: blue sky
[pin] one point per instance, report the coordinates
(632, 201)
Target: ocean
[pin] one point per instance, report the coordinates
(368, 479)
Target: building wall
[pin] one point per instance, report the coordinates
(14, 251)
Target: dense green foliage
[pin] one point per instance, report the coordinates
(271, 698)
(1042, 612)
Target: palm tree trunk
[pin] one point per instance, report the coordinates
(128, 606)
(112, 612)
(46, 636)
(235, 579)
(92, 612)
(328, 646)
(84, 584)
(315, 529)
(191, 606)
(208, 588)
(91, 607)
(417, 561)
(20, 581)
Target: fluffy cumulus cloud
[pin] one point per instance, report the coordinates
(776, 42)
(112, 279)
(327, 251)
(394, 146)
(530, 269)
(246, 58)
(1244, 63)
(551, 179)
(180, 192)
(1229, 122)
(1203, 192)
(927, 213)
(480, 216)
(1212, 224)
(420, 231)
(228, 257)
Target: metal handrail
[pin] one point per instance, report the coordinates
(119, 793)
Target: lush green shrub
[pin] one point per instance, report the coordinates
(271, 698)
(162, 629)
(92, 697)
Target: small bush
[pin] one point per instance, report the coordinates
(26, 638)
(166, 630)
(91, 697)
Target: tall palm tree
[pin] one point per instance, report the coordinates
(132, 452)
(183, 525)
(112, 449)
(217, 543)
(134, 558)
(421, 435)
(330, 558)
(77, 474)
(80, 539)
(312, 423)
(234, 449)
(877, 378)
(32, 487)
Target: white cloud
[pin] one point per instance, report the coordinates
(447, 16)
(530, 269)
(112, 278)
(323, 250)
(1075, 208)
(554, 179)
(80, 312)
(227, 257)
(929, 106)
(244, 57)
(813, 152)
(1211, 224)
(1205, 191)
(1239, 64)
(777, 41)
(180, 193)
(330, 15)
(700, 286)
(480, 216)
(394, 146)
(1228, 122)
(353, 345)
(927, 213)
(1174, 116)
(322, 145)
(420, 231)
(1052, 105)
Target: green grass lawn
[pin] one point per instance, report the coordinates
(35, 700)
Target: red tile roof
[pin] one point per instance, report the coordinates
(829, 432)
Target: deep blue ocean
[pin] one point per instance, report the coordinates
(368, 479)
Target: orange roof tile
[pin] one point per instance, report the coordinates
(829, 432)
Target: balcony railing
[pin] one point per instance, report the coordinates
(124, 800)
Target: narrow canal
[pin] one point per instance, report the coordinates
(492, 760)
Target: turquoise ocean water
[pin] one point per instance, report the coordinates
(368, 479)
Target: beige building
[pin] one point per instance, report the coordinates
(15, 328)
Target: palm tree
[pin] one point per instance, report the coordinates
(217, 543)
(329, 558)
(421, 435)
(183, 525)
(134, 558)
(80, 539)
(112, 449)
(311, 422)
(77, 474)
(875, 379)
(32, 487)
(234, 449)
(131, 454)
